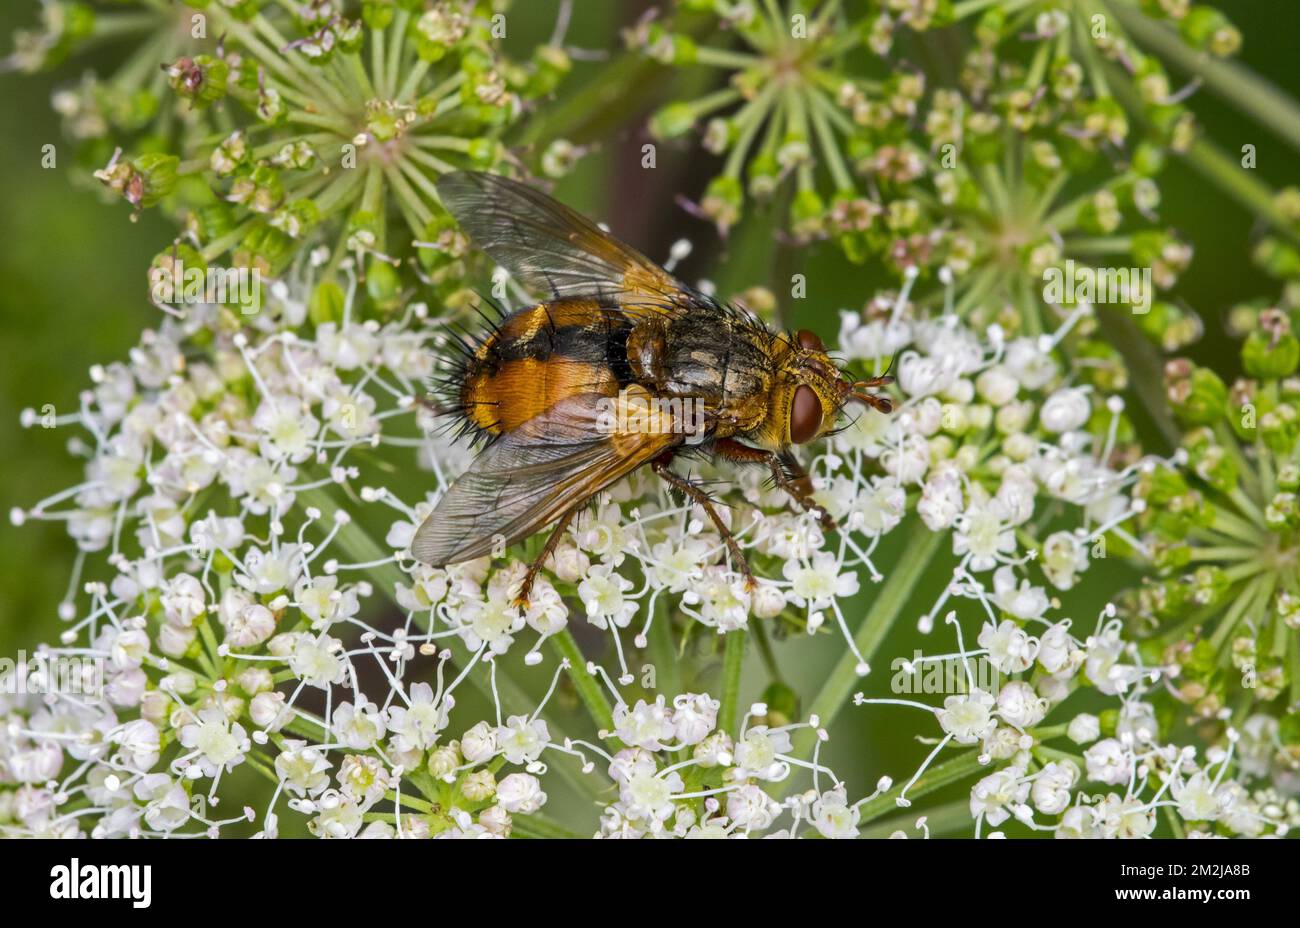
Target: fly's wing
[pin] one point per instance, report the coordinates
(556, 250)
(532, 475)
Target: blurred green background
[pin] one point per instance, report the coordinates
(73, 294)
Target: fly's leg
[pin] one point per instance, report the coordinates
(552, 542)
(786, 474)
(695, 494)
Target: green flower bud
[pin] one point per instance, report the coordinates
(201, 80)
(383, 284)
(478, 785)
(1281, 512)
(143, 180)
(296, 219)
(1206, 28)
(1148, 159)
(722, 200)
(1216, 467)
(1278, 428)
(1272, 351)
(1197, 395)
(1208, 585)
(1278, 258)
(551, 65)
(1170, 326)
(764, 176)
(672, 121)
(326, 303)
(807, 215)
(377, 14)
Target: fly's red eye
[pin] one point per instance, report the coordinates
(805, 414)
(809, 341)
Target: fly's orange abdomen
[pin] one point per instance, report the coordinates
(537, 357)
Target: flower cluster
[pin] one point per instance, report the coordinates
(269, 130)
(1222, 521)
(246, 620)
(225, 635)
(999, 726)
(968, 181)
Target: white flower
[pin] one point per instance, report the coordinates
(997, 796)
(756, 754)
(1197, 800)
(1010, 648)
(1109, 762)
(184, 600)
(1019, 705)
(360, 726)
(1052, 786)
(694, 716)
(521, 740)
(493, 622)
(1022, 600)
(1064, 557)
(941, 498)
(323, 602)
(818, 584)
(645, 725)
(247, 623)
(1029, 364)
(1084, 728)
(1065, 410)
(520, 793)
(967, 716)
(984, 532)
(724, 603)
(417, 726)
(302, 769)
(315, 661)
(140, 742)
(602, 595)
(751, 808)
(1056, 649)
(215, 742)
(833, 816)
(479, 744)
(1124, 818)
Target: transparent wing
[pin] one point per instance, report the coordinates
(529, 477)
(556, 250)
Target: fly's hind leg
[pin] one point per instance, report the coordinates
(786, 474)
(660, 466)
(521, 600)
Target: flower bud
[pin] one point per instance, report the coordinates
(1197, 395)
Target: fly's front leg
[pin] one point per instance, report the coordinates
(521, 601)
(786, 474)
(660, 466)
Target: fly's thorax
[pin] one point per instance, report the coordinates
(717, 358)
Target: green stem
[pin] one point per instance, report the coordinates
(918, 550)
(1240, 184)
(942, 820)
(663, 652)
(733, 662)
(589, 691)
(950, 771)
(537, 825)
(1262, 100)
